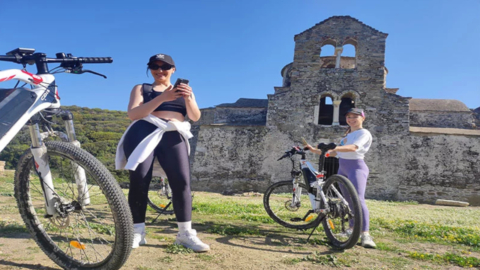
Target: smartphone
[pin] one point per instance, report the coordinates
(179, 81)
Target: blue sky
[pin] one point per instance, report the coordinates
(233, 49)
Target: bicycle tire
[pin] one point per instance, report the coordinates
(115, 238)
(161, 203)
(335, 223)
(279, 208)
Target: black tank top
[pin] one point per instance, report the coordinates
(177, 105)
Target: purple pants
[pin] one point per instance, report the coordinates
(357, 172)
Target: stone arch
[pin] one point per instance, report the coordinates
(348, 100)
(350, 41)
(326, 108)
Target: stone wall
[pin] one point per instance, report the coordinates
(476, 116)
(236, 116)
(207, 118)
(442, 119)
(232, 159)
(229, 158)
(439, 167)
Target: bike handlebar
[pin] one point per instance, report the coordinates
(298, 151)
(32, 58)
(26, 56)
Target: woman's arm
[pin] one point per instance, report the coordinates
(313, 150)
(346, 148)
(357, 144)
(192, 108)
(138, 110)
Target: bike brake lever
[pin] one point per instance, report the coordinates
(93, 72)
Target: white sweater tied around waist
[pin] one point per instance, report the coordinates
(149, 143)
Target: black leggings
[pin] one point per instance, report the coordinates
(172, 153)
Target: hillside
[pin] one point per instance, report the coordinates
(97, 130)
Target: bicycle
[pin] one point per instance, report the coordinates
(161, 200)
(70, 203)
(333, 202)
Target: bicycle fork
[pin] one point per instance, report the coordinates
(39, 151)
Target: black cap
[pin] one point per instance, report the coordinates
(162, 57)
(356, 111)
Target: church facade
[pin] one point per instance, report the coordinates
(423, 149)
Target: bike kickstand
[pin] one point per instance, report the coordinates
(159, 214)
(315, 228)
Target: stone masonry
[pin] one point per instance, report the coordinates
(416, 154)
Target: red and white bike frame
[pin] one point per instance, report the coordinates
(46, 96)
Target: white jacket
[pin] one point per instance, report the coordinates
(148, 144)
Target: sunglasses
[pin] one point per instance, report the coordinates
(163, 67)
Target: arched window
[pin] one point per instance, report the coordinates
(325, 114)
(349, 54)
(327, 50)
(349, 51)
(327, 53)
(348, 102)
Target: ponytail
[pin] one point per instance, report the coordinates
(348, 131)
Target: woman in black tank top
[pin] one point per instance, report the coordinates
(162, 100)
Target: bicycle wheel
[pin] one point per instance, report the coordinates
(287, 209)
(96, 236)
(343, 222)
(160, 197)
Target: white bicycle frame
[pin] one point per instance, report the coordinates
(46, 96)
(318, 185)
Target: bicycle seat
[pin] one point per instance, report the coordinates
(325, 147)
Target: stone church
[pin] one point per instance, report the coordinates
(423, 149)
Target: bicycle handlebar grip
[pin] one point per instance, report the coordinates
(9, 58)
(93, 60)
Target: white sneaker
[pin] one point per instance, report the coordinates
(191, 241)
(139, 240)
(367, 241)
(346, 234)
(139, 235)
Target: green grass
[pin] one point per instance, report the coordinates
(328, 260)
(227, 229)
(404, 223)
(432, 232)
(11, 227)
(448, 257)
(178, 249)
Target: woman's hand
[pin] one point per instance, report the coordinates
(308, 146)
(169, 94)
(331, 153)
(313, 150)
(185, 90)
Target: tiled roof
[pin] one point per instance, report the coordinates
(446, 105)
